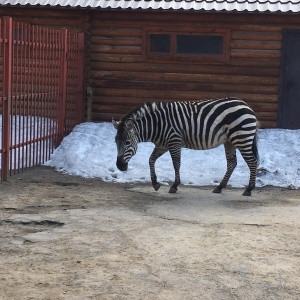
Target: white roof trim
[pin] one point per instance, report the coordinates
(206, 5)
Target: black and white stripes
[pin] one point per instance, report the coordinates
(191, 124)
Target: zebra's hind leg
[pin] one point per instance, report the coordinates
(175, 151)
(230, 152)
(252, 163)
(156, 153)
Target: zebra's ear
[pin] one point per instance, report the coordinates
(116, 123)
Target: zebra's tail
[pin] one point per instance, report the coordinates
(254, 146)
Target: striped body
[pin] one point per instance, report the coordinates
(195, 125)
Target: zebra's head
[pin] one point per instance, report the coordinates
(126, 141)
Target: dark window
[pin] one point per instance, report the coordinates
(160, 43)
(199, 44)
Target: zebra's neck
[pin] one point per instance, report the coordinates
(145, 120)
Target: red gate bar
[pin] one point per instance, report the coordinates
(63, 88)
(6, 92)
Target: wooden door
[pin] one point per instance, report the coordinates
(289, 98)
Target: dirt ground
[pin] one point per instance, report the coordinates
(64, 237)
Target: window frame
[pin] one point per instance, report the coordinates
(172, 55)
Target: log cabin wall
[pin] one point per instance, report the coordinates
(122, 77)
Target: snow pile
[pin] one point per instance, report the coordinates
(90, 151)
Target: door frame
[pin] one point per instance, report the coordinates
(282, 73)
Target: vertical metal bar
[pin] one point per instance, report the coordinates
(45, 86)
(41, 89)
(56, 90)
(47, 116)
(6, 110)
(29, 98)
(17, 93)
(26, 93)
(49, 87)
(80, 77)
(54, 114)
(13, 120)
(32, 94)
(63, 88)
(58, 40)
(22, 93)
(33, 91)
(70, 92)
(34, 88)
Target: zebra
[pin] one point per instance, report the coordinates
(190, 124)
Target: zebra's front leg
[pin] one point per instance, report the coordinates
(156, 153)
(175, 151)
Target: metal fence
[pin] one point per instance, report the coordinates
(41, 74)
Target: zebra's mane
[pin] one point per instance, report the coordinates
(142, 110)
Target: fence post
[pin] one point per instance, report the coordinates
(63, 88)
(7, 90)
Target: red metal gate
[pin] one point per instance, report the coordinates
(41, 74)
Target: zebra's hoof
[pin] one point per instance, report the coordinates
(217, 190)
(247, 193)
(173, 190)
(156, 186)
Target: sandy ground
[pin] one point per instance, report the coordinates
(64, 237)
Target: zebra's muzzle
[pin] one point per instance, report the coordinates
(121, 164)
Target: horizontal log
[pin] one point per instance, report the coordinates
(116, 101)
(116, 41)
(260, 54)
(234, 61)
(110, 49)
(157, 95)
(255, 62)
(187, 86)
(182, 78)
(115, 31)
(256, 36)
(186, 68)
(116, 58)
(163, 95)
(255, 45)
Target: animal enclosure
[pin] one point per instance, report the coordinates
(41, 73)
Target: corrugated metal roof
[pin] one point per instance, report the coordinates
(207, 5)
